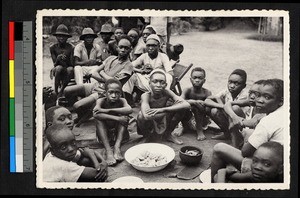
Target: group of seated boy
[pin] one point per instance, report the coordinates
(252, 120)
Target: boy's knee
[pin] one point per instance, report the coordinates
(70, 70)
(214, 111)
(58, 69)
(219, 148)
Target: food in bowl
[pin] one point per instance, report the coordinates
(149, 159)
(190, 155)
(156, 150)
(192, 152)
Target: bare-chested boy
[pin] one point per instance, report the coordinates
(112, 113)
(156, 119)
(195, 96)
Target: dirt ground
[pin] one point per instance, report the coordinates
(219, 53)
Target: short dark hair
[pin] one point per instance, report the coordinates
(112, 81)
(53, 130)
(50, 113)
(278, 86)
(200, 69)
(119, 28)
(124, 37)
(242, 73)
(275, 147)
(259, 82)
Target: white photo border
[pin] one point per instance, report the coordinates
(163, 186)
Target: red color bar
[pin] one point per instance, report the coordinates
(11, 40)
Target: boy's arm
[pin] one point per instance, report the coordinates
(241, 177)
(253, 121)
(211, 103)
(53, 56)
(237, 120)
(248, 150)
(90, 174)
(96, 75)
(125, 110)
(241, 103)
(179, 103)
(145, 106)
(89, 153)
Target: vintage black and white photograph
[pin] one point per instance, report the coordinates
(167, 99)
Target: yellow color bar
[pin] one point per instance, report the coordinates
(11, 78)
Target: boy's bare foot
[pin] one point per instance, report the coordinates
(110, 159)
(178, 132)
(118, 155)
(220, 137)
(201, 137)
(174, 139)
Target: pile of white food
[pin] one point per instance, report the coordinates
(147, 159)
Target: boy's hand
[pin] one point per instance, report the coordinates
(246, 165)
(153, 112)
(86, 151)
(61, 57)
(124, 120)
(97, 110)
(102, 172)
(199, 104)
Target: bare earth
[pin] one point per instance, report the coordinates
(219, 53)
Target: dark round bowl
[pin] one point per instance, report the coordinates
(190, 159)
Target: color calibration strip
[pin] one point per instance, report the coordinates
(11, 48)
(20, 96)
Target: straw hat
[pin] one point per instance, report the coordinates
(62, 30)
(87, 31)
(106, 28)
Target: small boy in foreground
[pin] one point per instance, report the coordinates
(267, 166)
(67, 163)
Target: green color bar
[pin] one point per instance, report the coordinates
(12, 117)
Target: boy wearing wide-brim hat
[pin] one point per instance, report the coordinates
(105, 33)
(87, 55)
(62, 57)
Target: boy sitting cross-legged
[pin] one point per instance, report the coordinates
(196, 96)
(156, 119)
(111, 113)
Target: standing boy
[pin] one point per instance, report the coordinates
(62, 57)
(235, 91)
(112, 113)
(196, 96)
(156, 119)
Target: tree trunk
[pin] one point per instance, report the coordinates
(270, 26)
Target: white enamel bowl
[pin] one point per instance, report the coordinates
(162, 149)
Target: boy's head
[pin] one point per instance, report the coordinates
(106, 32)
(124, 46)
(237, 81)
(59, 115)
(157, 80)
(119, 31)
(62, 33)
(147, 31)
(254, 92)
(113, 90)
(270, 96)
(88, 36)
(152, 44)
(62, 141)
(267, 164)
(133, 34)
(198, 77)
